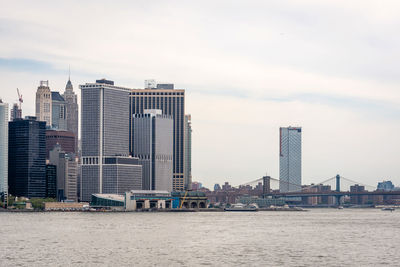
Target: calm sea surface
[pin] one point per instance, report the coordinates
(320, 237)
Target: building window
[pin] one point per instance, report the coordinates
(46, 107)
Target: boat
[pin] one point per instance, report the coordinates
(340, 207)
(242, 207)
(388, 208)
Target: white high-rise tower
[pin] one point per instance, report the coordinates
(290, 159)
(3, 151)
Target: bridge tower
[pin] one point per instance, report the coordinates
(338, 198)
(337, 183)
(266, 185)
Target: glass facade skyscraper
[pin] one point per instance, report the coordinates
(289, 159)
(27, 158)
(58, 112)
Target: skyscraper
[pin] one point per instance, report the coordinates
(153, 145)
(27, 157)
(43, 103)
(58, 112)
(172, 102)
(289, 159)
(188, 152)
(67, 175)
(72, 110)
(3, 152)
(106, 167)
(16, 112)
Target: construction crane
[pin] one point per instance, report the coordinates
(183, 199)
(20, 99)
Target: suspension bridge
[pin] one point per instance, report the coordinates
(342, 187)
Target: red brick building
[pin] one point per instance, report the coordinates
(66, 140)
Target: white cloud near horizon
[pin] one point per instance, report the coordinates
(249, 67)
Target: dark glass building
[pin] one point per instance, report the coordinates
(51, 181)
(27, 158)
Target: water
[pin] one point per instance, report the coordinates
(326, 237)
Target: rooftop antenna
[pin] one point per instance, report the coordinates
(69, 72)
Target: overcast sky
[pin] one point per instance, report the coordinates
(248, 68)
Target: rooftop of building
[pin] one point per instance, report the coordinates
(103, 83)
(150, 192)
(69, 85)
(114, 197)
(164, 88)
(188, 194)
(57, 132)
(55, 96)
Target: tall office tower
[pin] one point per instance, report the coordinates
(58, 112)
(71, 100)
(188, 152)
(3, 152)
(171, 102)
(27, 157)
(71, 177)
(105, 141)
(16, 112)
(153, 145)
(67, 173)
(290, 159)
(43, 103)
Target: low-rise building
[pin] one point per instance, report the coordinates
(66, 206)
(148, 199)
(191, 199)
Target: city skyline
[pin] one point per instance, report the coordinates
(277, 69)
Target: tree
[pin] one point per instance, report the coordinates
(38, 203)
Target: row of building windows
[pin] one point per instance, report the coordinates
(164, 157)
(157, 93)
(46, 107)
(90, 160)
(47, 96)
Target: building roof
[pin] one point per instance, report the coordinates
(56, 96)
(114, 197)
(149, 192)
(69, 85)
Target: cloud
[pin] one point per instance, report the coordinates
(27, 65)
(248, 67)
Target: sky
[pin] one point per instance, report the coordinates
(248, 67)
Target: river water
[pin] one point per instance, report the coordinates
(328, 237)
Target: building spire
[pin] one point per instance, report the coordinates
(69, 87)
